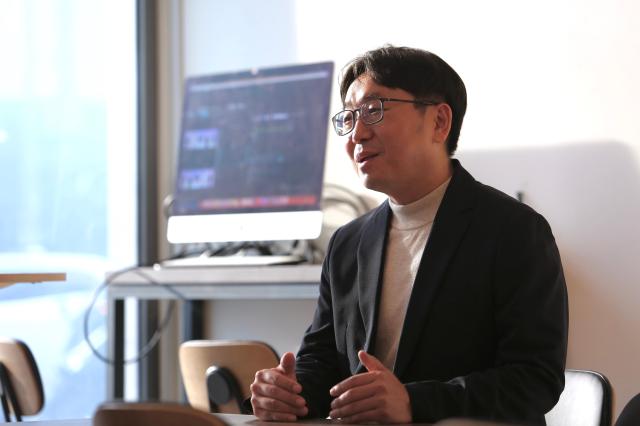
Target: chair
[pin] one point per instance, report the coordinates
(217, 373)
(585, 401)
(630, 415)
(151, 413)
(20, 383)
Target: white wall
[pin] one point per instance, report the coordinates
(553, 104)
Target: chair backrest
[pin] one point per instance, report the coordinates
(630, 415)
(151, 413)
(20, 380)
(240, 359)
(585, 401)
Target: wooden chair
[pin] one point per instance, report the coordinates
(21, 386)
(585, 401)
(151, 413)
(217, 373)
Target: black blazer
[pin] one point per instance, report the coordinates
(485, 333)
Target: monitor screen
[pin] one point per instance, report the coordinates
(251, 155)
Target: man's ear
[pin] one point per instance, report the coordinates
(444, 115)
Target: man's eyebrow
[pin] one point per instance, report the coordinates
(372, 95)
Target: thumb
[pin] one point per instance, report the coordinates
(370, 362)
(288, 364)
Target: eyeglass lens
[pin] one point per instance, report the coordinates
(370, 112)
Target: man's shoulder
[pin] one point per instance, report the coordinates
(486, 198)
(499, 199)
(503, 208)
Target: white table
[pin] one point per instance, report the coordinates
(196, 284)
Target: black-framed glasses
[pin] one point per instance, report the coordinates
(370, 111)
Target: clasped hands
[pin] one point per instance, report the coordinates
(374, 396)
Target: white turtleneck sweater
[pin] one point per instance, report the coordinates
(408, 234)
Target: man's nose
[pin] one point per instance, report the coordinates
(361, 130)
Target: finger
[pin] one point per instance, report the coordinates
(356, 408)
(275, 377)
(356, 394)
(274, 416)
(270, 404)
(288, 364)
(275, 392)
(370, 362)
(351, 382)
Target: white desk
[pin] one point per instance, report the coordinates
(201, 284)
(10, 279)
(218, 283)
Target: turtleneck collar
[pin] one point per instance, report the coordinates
(419, 213)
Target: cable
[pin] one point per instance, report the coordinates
(363, 206)
(154, 339)
(337, 200)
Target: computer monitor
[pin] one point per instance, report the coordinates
(251, 155)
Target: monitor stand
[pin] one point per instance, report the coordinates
(234, 260)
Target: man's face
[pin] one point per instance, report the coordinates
(396, 155)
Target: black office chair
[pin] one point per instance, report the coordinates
(630, 415)
(585, 401)
(20, 384)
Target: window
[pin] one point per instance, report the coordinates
(67, 180)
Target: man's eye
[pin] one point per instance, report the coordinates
(372, 109)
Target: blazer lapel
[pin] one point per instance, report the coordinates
(370, 260)
(450, 224)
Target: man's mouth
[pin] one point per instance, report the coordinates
(365, 156)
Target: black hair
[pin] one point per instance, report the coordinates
(421, 73)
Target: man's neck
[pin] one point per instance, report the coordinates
(418, 188)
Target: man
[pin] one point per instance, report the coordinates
(446, 300)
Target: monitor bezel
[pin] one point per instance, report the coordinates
(250, 226)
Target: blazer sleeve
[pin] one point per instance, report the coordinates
(530, 316)
(317, 368)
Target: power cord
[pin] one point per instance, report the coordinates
(154, 339)
(347, 196)
(333, 199)
(311, 251)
